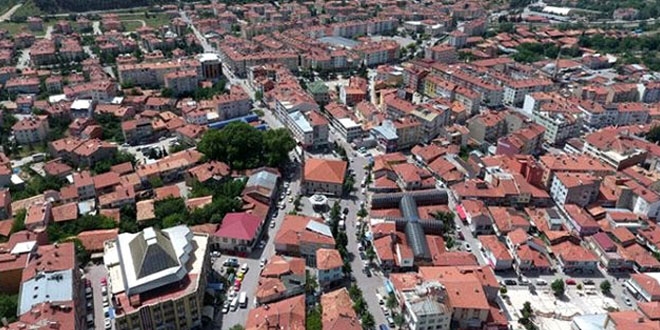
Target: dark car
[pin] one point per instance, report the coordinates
(383, 327)
(589, 282)
(510, 282)
(367, 272)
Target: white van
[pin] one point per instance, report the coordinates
(234, 304)
(242, 299)
(245, 268)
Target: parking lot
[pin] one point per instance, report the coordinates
(95, 274)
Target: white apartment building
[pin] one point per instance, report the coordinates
(426, 308)
(559, 127)
(348, 129)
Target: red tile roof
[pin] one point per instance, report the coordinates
(325, 170)
(328, 259)
(93, 240)
(338, 312)
(286, 314)
(239, 226)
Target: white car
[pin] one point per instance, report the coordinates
(468, 248)
(108, 325)
(262, 263)
(225, 307)
(262, 244)
(628, 301)
(541, 282)
(272, 224)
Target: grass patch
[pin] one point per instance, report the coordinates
(157, 20)
(14, 28)
(6, 5)
(29, 8)
(131, 25)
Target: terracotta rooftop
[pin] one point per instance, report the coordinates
(325, 170)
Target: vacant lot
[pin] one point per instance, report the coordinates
(556, 314)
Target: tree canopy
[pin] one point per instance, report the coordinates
(242, 146)
(8, 307)
(59, 231)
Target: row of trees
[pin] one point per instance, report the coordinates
(242, 146)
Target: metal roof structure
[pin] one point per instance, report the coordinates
(264, 179)
(153, 258)
(319, 228)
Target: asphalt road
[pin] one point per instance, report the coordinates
(252, 277)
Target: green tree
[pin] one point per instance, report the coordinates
(654, 134)
(8, 307)
(362, 212)
(606, 287)
(277, 144)
(238, 144)
(237, 327)
(447, 219)
(367, 321)
(391, 301)
(557, 287)
(313, 321)
(258, 95)
(311, 284)
(19, 221)
(128, 223)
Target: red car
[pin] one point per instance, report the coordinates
(570, 281)
(104, 281)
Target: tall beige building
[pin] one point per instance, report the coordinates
(157, 278)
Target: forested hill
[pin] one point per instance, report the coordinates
(53, 6)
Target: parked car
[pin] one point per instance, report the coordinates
(570, 281)
(510, 282)
(262, 244)
(262, 263)
(108, 324)
(628, 301)
(231, 262)
(225, 307)
(541, 282)
(589, 282)
(272, 224)
(366, 271)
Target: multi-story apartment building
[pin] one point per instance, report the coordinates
(31, 130)
(329, 266)
(442, 53)
(235, 104)
(574, 188)
(487, 127)
(150, 74)
(559, 127)
(374, 53)
(427, 307)
(158, 277)
(515, 91)
(302, 236)
(182, 81)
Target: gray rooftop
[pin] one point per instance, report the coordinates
(301, 121)
(262, 178)
(339, 41)
(46, 287)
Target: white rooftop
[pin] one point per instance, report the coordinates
(24, 247)
(149, 259)
(81, 104)
(319, 228)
